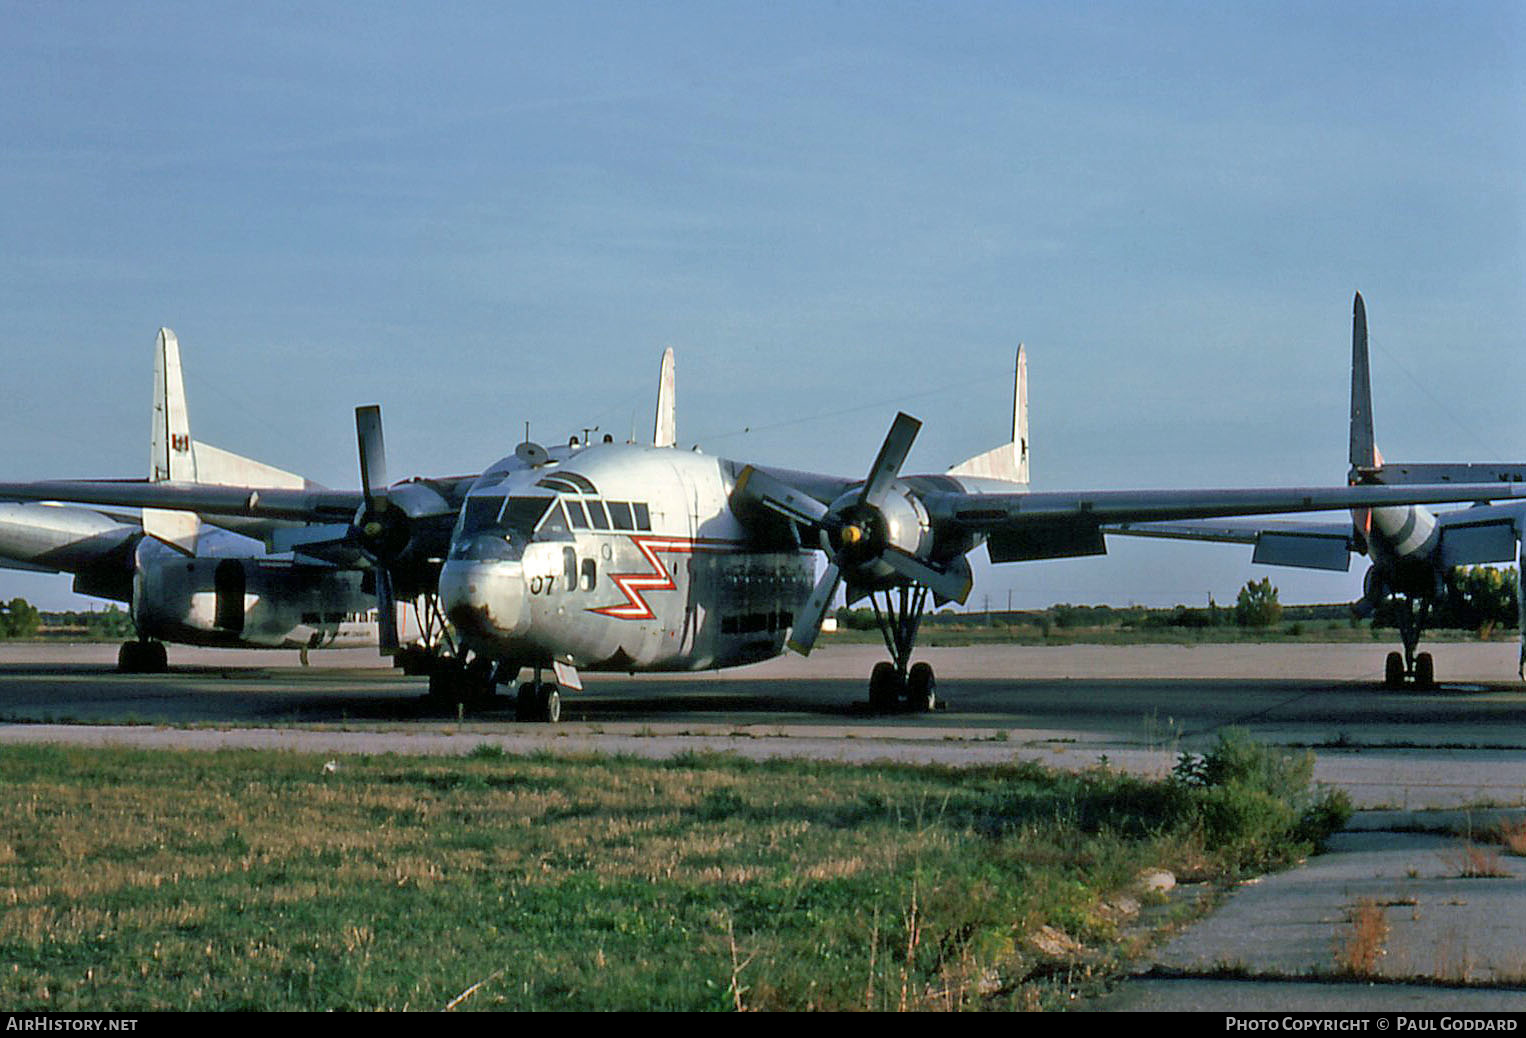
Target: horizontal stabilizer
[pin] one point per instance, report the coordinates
(1398, 473)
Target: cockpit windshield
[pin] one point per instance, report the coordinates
(496, 527)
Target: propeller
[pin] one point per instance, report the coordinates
(383, 528)
(855, 532)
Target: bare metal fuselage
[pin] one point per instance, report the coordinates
(620, 558)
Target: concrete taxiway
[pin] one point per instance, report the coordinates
(1426, 767)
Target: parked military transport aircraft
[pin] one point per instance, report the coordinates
(186, 581)
(624, 557)
(1413, 550)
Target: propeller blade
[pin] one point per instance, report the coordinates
(809, 620)
(903, 432)
(779, 496)
(946, 584)
(386, 611)
(373, 453)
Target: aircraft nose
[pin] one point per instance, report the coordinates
(484, 599)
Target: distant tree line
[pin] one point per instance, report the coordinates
(20, 619)
(1479, 598)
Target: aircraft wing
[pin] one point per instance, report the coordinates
(207, 499)
(1050, 525)
(1468, 536)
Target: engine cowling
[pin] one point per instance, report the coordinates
(858, 534)
(248, 602)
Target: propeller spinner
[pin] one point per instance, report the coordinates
(873, 535)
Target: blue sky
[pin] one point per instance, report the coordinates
(479, 215)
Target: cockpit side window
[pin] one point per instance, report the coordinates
(643, 516)
(554, 526)
(576, 515)
(620, 515)
(596, 515)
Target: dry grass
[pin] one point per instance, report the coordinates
(1511, 835)
(1476, 861)
(1359, 947)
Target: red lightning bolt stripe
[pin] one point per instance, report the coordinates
(634, 585)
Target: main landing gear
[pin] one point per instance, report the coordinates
(1420, 668)
(893, 683)
(142, 657)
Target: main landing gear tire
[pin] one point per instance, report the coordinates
(470, 686)
(1424, 674)
(884, 688)
(888, 693)
(538, 703)
(922, 688)
(1425, 671)
(142, 657)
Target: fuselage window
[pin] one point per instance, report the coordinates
(643, 516)
(570, 568)
(590, 574)
(576, 515)
(596, 515)
(620, 515)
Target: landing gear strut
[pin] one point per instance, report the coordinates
(453, 678)
(892, 682)
(1420, 667)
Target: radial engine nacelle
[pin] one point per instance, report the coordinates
(247, 602)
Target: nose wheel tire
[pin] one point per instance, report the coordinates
(541, 702)
(548, 704)
(1393, 671)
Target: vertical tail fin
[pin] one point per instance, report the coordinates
(665, 428)
(1364, 450)
(171, 456)
(1009, 462)
(174, 456)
